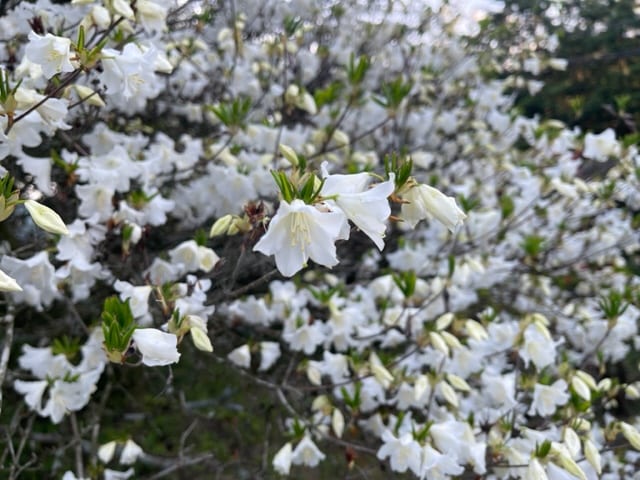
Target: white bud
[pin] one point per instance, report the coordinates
(444, 321)
(631, 392)
(476, 330)
(337, 422)
(588, 379)
(450, 339)
(421, 385)
(288, 153)
(321, 404)
(593, 455)
(438, 342)
(200, 339)
(572, 441)
(46, 218)
(631, 434)
(8, 284)
(449, 394)
(314, 375)
(581, 388)
(382, 375)
(458, 382)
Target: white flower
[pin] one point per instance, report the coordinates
(107, 451)
(50, 52)
(130, 452)
(36, 276)
(547, 397)
(138, 298)
(537, 348)
(32, 391)
(191, 256)
(368, 209)
(307, 453)
(298, 232)
(425, 201)
(601, 146)
(269, 354)
(46, 218)
(438, 466)
(305, 338)
(282, 459)
(404, 452)
(157, 348)
(241, 356)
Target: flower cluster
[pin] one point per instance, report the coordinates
(336, 205)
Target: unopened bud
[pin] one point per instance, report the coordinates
(221, 226)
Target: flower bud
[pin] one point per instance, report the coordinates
(444, 321)
(337, 422)
(592, 455)
(382, 375)
(631, 434)
(438, 342)
(8, 284)
(581, 388)
(449, 394)
(201, 339)
(288, 153)
(46, 218)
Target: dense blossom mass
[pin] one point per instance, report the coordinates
(339, 203)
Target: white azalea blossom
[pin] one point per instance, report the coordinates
(51, 53)
(298, 232)
(156, 347)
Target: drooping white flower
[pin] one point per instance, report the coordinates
(404, 453)
(438, 466)
(241, 356)
(269, 354)
(298, 232)
(50, 52)
(282, 459)
(130, 452)
(307, 453)
(368, 209)
(157, 348)
(191, 257)
(425, 201)
(106, 451)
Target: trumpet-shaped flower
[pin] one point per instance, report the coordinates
(404, 453)
(368, 209)
(298, 232)
(50, 52)
(307, 453)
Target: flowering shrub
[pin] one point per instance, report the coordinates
(335, 200)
